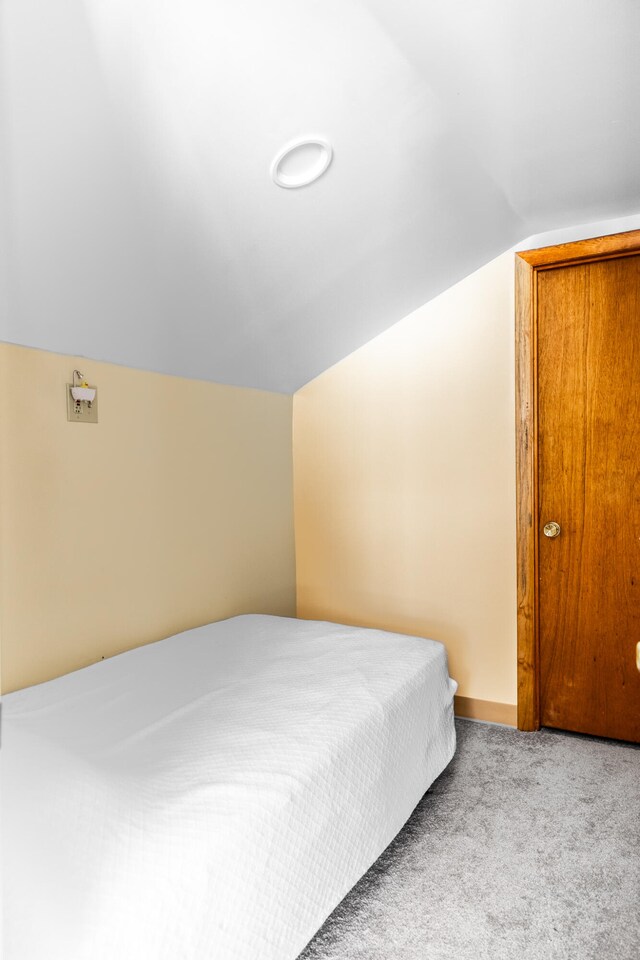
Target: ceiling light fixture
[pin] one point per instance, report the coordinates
(301, 162)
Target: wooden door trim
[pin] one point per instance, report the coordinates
(528, 263)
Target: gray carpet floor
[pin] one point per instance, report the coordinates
(526, 848)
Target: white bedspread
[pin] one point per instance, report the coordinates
(213, 796)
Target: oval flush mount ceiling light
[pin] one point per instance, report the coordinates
(301, 162)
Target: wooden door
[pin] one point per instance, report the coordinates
(588, 403)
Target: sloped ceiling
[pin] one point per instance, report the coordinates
(140, 222)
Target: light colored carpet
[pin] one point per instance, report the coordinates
(526, 848)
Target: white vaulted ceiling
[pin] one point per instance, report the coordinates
(141, 224)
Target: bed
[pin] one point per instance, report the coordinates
(213, 796)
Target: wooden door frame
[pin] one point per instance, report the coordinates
(528, 263)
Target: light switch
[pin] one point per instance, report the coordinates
(81, 411)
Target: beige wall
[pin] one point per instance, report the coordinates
(174, 510)
(404, 483)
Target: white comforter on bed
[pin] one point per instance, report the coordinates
(213, 796)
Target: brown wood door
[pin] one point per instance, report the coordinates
(589, 484)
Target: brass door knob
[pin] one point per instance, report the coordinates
(551, 529)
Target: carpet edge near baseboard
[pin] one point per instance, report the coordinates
(489, 710)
